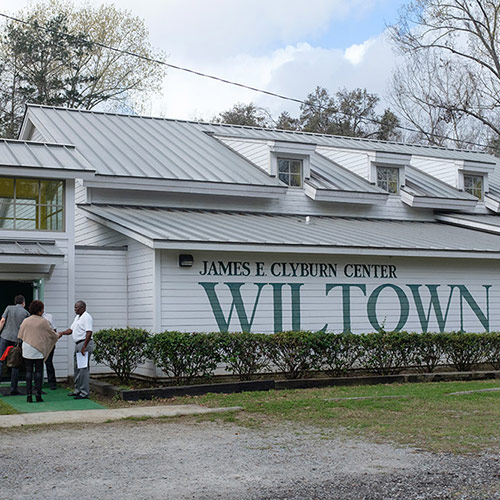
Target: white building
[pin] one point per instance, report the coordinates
(166, 224)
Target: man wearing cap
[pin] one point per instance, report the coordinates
(11, 320)
(81, 332)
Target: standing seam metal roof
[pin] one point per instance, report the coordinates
(166, 149)
(38, 154)
(250, 228)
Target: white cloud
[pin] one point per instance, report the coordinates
(269, 44)
(355, 53)
(293, 71)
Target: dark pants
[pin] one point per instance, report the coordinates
(14, 375)
(51, 371)
(38, 365)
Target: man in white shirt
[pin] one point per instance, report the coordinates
(81, 332)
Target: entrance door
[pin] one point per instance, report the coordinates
(8, 290)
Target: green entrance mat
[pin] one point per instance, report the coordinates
(57, 400)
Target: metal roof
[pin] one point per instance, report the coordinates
(238, 131)
(480, 222)
(134, 146)
(163, 142)
(41, 155)
(327, 174)
(31, 247)
(421, 184)
(192, 226)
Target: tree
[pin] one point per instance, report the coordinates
(452, 67)
(350, 113)
(287, 122)
(244, 114)
(58, 58)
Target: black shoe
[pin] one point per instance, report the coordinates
(53, 388)
(29, 399)
(15, 393)
(43, 392)
(39, 399)
(73, 394)
(79, 396)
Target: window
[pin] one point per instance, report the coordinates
(388, 179)
(290, 171)
(31, 204)
(473, 184)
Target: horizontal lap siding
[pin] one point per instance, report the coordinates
(444, 170)
(101, 281)
(185, 305)
(56, 291)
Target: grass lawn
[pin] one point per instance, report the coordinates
(6, 409)
(422, 415)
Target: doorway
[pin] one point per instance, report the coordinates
(8, 290)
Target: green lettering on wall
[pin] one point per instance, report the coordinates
(278, 306)
(433, 303)
(295, 305)
(237, 304)
(404, 307)
(346, 302)
(483, 318)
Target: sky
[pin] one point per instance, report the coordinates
(283, 46)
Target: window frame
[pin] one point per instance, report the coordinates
(50, 210)
(473, 189)
(398, 178)
(289, 173)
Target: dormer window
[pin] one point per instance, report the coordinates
(474, 185)
(290, 171)
(388, 179)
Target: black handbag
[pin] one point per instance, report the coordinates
(15, 357)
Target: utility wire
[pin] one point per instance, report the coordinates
(237, 84)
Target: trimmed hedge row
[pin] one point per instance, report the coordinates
(185, 356)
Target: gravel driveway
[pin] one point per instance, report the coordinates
(162, 459)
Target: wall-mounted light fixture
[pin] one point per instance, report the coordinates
(185, 260)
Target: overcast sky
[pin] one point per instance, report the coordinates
(285, 46)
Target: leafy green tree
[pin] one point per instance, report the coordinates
(59, 58)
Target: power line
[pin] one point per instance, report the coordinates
(237, 84)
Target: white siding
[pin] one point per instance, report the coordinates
(101, 281)
(186, 307)
(140, 285)
(57, 300)
(444, 170)
(36, 136)
(88, 232)
(355, 161)
(255, 151)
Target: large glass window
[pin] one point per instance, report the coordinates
(31, 204)
(388, 179)
(290, 171)
(473, 184)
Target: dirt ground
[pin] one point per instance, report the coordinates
(188, 459)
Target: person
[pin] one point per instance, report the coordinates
(49, 362)
(81, 332)
(11, 320)
(39, 339)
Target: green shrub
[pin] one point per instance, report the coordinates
(492, 349)
(428, 350)
(337, 353)
(464, 350)
(386, 353)
(293, 352)
(244, 353)
(122, 349)
(185, 356)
